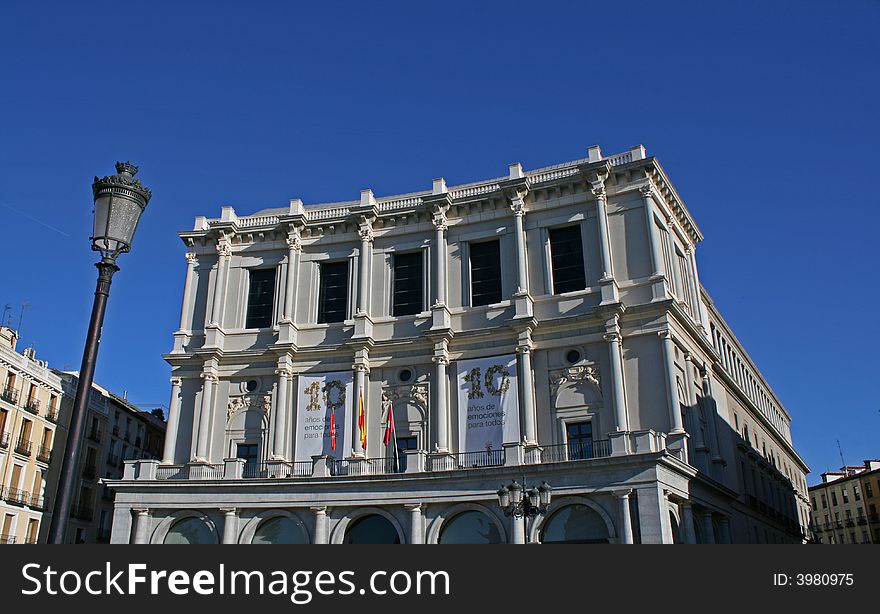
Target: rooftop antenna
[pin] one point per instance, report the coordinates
(4, 321)
(840, 450)
(24, 306)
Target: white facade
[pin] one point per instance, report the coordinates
(630, 396)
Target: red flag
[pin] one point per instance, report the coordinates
(389, 426)
(332, 430)
(362, 421)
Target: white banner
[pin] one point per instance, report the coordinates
(321, 395)
(488, 403)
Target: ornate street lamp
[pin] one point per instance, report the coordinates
(120, 200)
(519, 501)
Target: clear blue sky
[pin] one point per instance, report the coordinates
(765, 116)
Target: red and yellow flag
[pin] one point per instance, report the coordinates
(332, 430)
(362, 420)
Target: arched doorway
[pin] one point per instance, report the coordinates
(280, 530)
(471, 527)
(574, 524)
(190, 530)
(371, 529)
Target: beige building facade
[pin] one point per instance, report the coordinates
(845, 505)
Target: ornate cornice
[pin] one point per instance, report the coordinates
(251, 401)
(417, 392)
(579, 373)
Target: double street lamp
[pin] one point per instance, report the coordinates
(120, 200)
(518, 501)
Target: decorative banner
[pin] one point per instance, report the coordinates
(321, 396)
(488, 403)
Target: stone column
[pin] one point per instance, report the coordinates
(294, 246)
(658, 276)
(191, 259)
(604, 238)
(359, 379)
(416, 533)
(321, 533)
(440, 226)
(204, 427)
(518, 205)
(671, 384)
(527, 400)
(224, 254)
(708, 528)
(173, 421)
(280, 410)
(366, 234)
(230, 525)
(517, 530)
(441, 403)
(687, 522)
(626, 529)
(619, 394)
(711, 415)
(141, 526)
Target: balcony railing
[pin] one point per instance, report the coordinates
(7, 539)
(37, 502)
(277, 469)
(466, 460)
(4, 440)
(575, 451)
(17, 497)
(363, 466)
(10, 395)
(189, 472)
(23, 446)
(89, 471)
(32, 406)
(52, 415)
(44, 454)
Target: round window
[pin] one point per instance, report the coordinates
(573, 356)
(405, 375)
(252, 385)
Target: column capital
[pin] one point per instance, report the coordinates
(176, 381)
(293, 240)
(209, 376)
(647, 190)
(284, 372)
(413, 507)
(440, 360)
(191, 258)
(320, 510)
(229, 511)
(365, 232)
(665, 334)
(598, 191)
(622, 493)
(440, 222)
(613, 335)
(224, 248)
(141, 511)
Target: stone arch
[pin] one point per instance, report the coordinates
(338, 534)
(454, 510)
(246, 536)
(161, 531)
(557, 504)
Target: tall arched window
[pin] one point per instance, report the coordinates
(190, 531)
(371, 529)
(575, 524)
(280, 530)
(471, 527)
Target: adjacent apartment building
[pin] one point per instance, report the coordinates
(845, 505)
(374, 371)
(116, 431)
(29, 408)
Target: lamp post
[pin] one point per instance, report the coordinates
(120, 200)
(520, 501)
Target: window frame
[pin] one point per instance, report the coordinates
(347, 294)
(578, 226)
(470, 271)
(247, 296)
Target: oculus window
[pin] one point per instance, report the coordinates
(567, 259)
(261, 296)
(333, 292)
(408, 284)
(485, 258)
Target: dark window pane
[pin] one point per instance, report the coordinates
(261, 296)
(248, 452)
(580, 440)
(567, 259)
(408, 284)
(485, 273)
(333, 295)
(405, 443)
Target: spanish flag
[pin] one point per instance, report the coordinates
(362, 420)
(332, 430)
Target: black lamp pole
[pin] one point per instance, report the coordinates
(119, 201)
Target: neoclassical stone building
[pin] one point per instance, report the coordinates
(546, 326)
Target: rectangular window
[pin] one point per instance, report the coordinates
(408, 284)
(405, 443)
(868, 490)
(333, 292)
(579, 437)
(247, 451)
(261, 298)
(485, 258)
(567, 259)
(845, 496)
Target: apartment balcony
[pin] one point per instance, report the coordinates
(44, 454)
(52, 415)
(4, 440)
(95, 435)
(82, 512)
(37, 503)
(23, 447)
(89, 472)
(861, 520)
(10, 395)
(17, 497)
(7, 539)
(32, 406)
